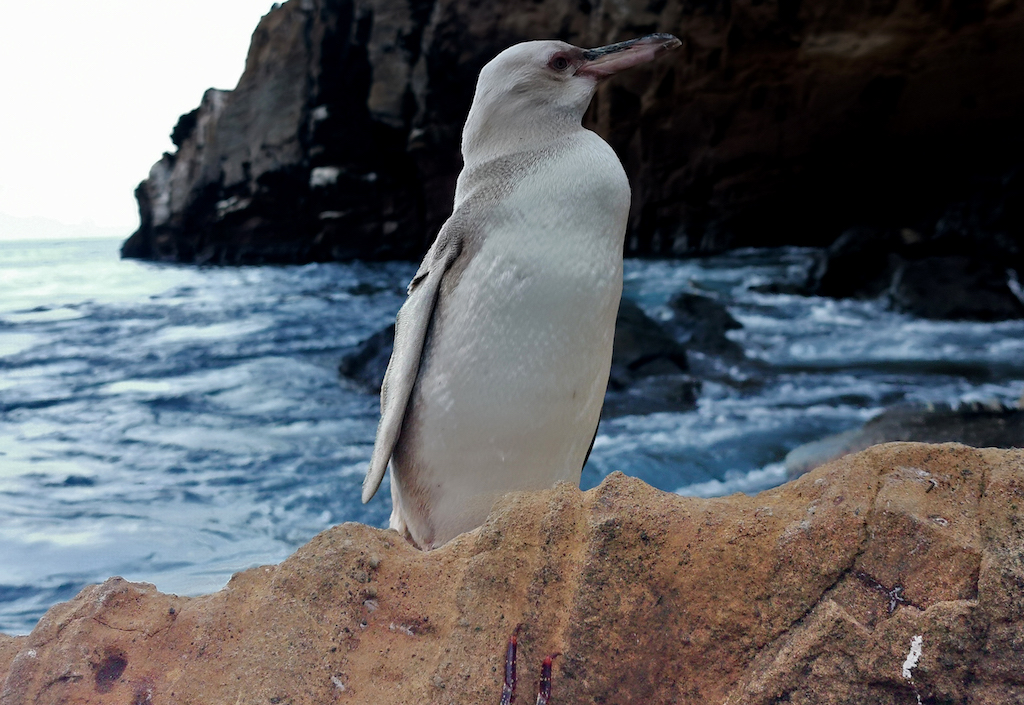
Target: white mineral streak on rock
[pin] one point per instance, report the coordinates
(913, 657)
(1013, 282)
(232, 204)
(402, 628)
(323, 176)
(850, 45)
(319, 114)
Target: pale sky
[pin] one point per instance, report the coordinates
(89, 93)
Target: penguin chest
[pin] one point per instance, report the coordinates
(515, 365)
(527, 330)
(518, 355)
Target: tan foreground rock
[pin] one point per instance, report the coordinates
(808, 593)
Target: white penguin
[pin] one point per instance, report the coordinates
(503, 347)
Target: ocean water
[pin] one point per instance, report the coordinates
(176, 424)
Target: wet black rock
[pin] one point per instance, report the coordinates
(365, 366)
(785, 287)
(963, 264)
(643, 347)
(649, 366)
(960, 288)
(978, 425)
(701, 323)
(858, 264)
(651, 395)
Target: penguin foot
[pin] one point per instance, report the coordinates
(508, 692)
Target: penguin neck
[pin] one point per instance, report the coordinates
(490, 135)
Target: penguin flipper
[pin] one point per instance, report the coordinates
(591, 448)
(411, 327)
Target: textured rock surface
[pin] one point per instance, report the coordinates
(811, 592)
(780, 121)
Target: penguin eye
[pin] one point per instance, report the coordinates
(559, 63)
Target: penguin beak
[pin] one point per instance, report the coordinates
(607, 61)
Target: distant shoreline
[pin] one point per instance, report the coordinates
(38, 228)
(59, 238)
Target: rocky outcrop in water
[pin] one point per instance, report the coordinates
(966, 265)
(294, 164)
(978, 425)
(893, 576)
(649, 369)
(701, 323)
(364, 366)
(778, 122)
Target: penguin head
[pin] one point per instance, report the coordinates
(535, 91)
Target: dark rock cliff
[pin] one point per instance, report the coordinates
(779, 121)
